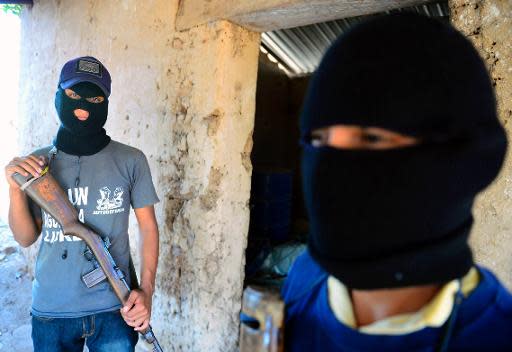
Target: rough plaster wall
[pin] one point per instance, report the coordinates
(187, 100)
(488, 24)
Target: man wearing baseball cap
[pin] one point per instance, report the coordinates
(103, 179)
(400, 133)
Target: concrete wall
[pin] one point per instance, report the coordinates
(488, 24)
(187, 100)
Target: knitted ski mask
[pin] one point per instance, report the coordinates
(399, 217)
(74, 136)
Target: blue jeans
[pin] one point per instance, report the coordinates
(103, 332)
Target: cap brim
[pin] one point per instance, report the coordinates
(71, 82)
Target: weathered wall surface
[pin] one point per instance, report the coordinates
(187, 100)
(488, 24)
(266, 15)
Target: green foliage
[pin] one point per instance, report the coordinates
(13, 9)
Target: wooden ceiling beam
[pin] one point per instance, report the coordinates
(266, 15)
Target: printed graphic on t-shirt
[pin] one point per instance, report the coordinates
(109, 202)
(52, 231)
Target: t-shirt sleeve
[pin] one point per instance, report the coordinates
(143, 191)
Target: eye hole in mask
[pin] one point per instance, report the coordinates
(73, 95)
(360, 138)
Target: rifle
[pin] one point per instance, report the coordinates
(47, 193)
(261, 320)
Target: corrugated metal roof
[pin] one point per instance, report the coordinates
(297, 51)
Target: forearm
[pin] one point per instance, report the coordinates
(21, 221)
(137, 309)
(148, 247)
(149, 259)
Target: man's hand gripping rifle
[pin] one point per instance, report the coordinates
(48, 194)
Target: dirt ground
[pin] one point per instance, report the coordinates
(15, 297)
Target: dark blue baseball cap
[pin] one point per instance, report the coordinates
(85, 69)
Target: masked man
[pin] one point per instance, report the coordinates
(400, 133)
(102, 178)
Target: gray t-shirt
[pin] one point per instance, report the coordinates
(101, 187)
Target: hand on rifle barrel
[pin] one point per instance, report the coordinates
(24, 166)
(137, 310)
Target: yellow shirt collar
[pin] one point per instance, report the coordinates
(434, 314)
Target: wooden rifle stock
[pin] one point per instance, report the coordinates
(47, 193)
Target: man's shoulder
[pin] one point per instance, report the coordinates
(44, 151)
(485, 317)
(123, 150)
(122, 147)
(502, 296)
(304, 276)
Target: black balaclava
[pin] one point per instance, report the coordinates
(400, 217)
(81, 137)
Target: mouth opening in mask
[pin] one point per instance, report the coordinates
(81, 114)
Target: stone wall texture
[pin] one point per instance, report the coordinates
(187, 100)
(488, 24)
